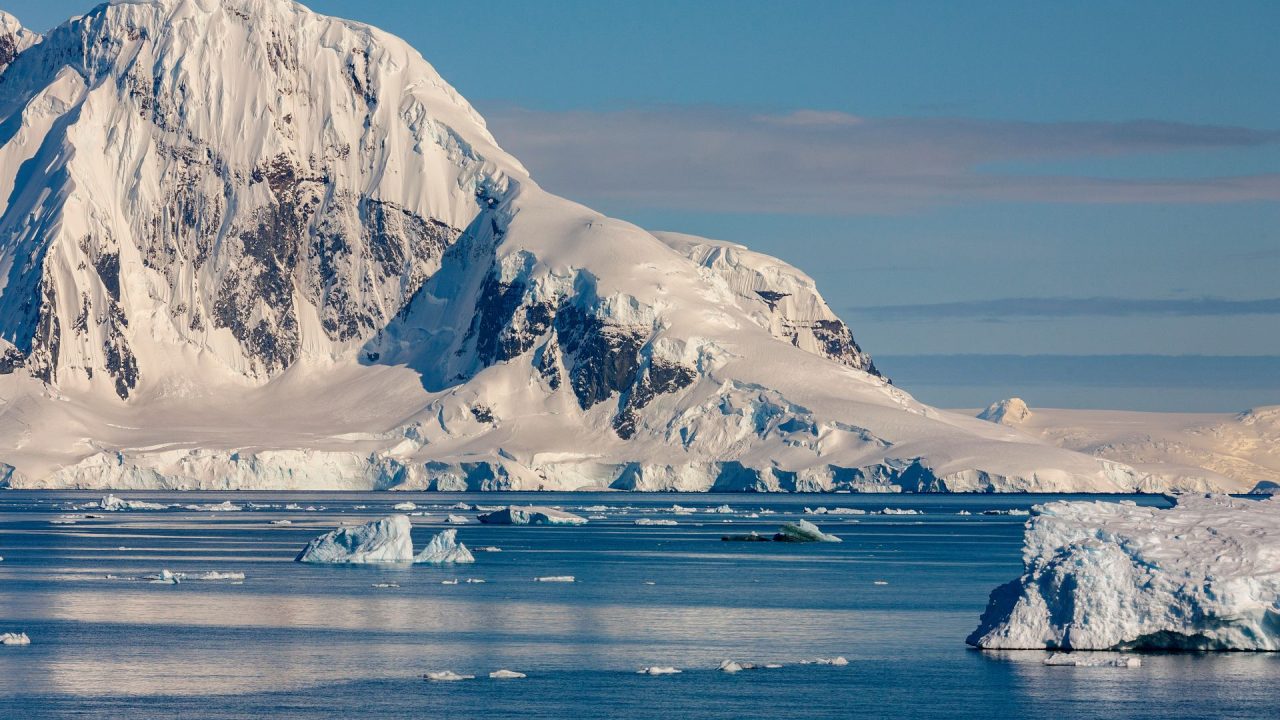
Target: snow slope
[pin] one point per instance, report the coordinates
(1203, 575)
(1231, 452)
(245, 245)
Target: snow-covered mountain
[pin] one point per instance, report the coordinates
(1236, 452)
(245, 245)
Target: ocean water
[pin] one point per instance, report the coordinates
(896, 599)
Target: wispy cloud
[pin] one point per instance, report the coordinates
(1001, 308)
(814, 161)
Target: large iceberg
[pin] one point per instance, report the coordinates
(1115, 576)
(531, 515)
(383, 541)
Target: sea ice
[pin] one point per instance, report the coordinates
(651, 521)
(1087, 660)
(445, 548)
(381, 541)
(899, 511)
(531, 515)
(404, 506)
(166, 577)
(456, 520)
(1015, 512)
(224, 506)
(281, 522)
(1116, 576)
(733, 666)
(556, 578)
(447, 676)
(14, 639)
(507, 675)
(659, 670)
(111, 503)
(803, 531)
(215, 575)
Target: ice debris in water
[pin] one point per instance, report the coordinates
(404, 506)
(111, 503)
(281, 522)
(733, 666)
(837, 661)
(658, 670)
(556, 578)
(385, 585)
(721, 510)
(899, 511)
(1015, 512)
(456, 520)
(803, 531)
(1089, 660)
(834, 511)
(652, 521)
(449, 582)
(166, 577)
(507, 675)
(14, 639)
(531, 515)
(224, 506)
(1116, 576)
(447, 676)
(216, 575)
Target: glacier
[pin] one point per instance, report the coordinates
(1116, 576)
(248, 246)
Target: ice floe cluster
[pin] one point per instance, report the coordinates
(1204, 575)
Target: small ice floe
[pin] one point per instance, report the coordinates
(281, 522)
(293, 506)
(650, 582)
(1007, 512)
(385, 585)
(658, 670)
(449, 582)
(679, 510)
(596, 508)
(214, 575)
(1080, 660)
(803, 531)
(752, 536)
(556, 578)
(447, 676)
(597, 517)
(14, 639)
(837, 661)
(475, 581)
(419, 513)
(404, 506)
(898, 511)
(964, 512)
(489, 548)
(733, 666)
(834, 511)
(507, 675)
(166, 577)
(111, 503)
(721, 510)
(456, 520)
(224, 506)
(63, 521)
(652, 521)
(443, 549)
(880, 582)
(1, 559)
(531, 515)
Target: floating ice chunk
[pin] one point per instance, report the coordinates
(803, 531)
(111, 503)
(1006, 512)
(489, 548)
(456, 520)
(752, 536)
(281, 522)
(447, 676)
(652, 521)
(837, 661)
(964, 512)
(62, 522)
(385, 585)
(659, 670)
(722, 510)
(507, 675)
(449, 582)
(556, 578)
(880, 582)
(597, 517)
(729, 666)
(293, 506)
(733, 666)
(899, 511)
(445, 548)
(531, 515)
(1089, 660)
(596, 508)
(1110, 576)
(224, 506)
(215, 575)
(166, 577)
(679, 510)
(475, 581)
(381, 541)
(14, 639)
(404, 506)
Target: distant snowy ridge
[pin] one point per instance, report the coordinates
(247, 246)
(1204, 575)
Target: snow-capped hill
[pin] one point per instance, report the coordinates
(13, 39)
(249, 246)
(1010, 411)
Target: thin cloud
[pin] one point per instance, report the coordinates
(1004, 308)
(826, 162)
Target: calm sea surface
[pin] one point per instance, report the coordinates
(896, 598)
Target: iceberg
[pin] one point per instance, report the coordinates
(531, 515)
(803, 531)
(111, 503)
(733, 666)
(381, 541)
(444, 548)
(507, 675)
(14, 639)
(166, 577)
(1116, 576)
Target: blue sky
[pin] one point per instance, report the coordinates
(1005, 178)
